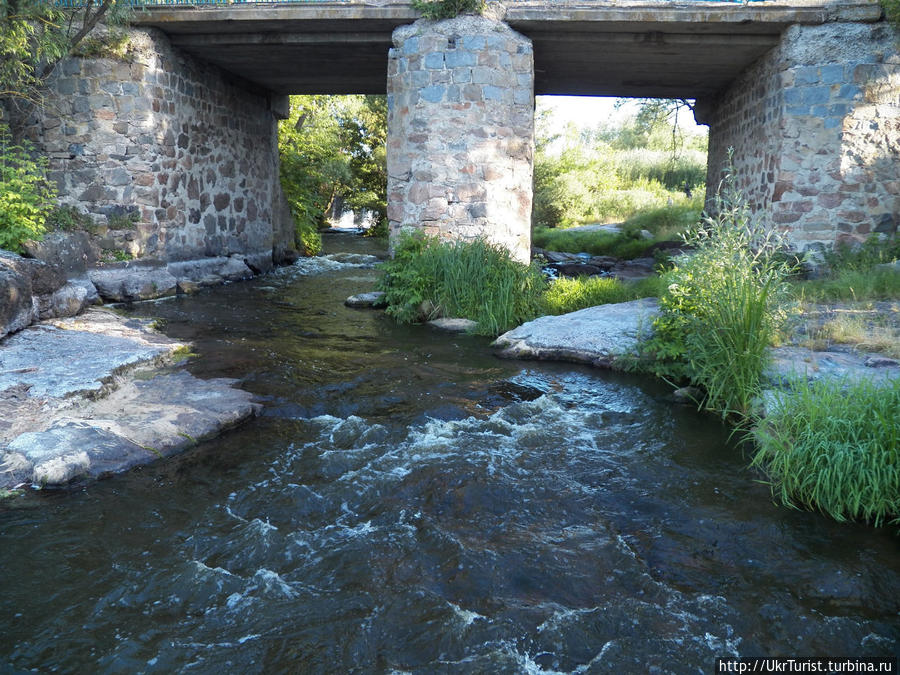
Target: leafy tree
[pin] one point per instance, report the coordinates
(26, 196)
(36, 35)
(334, 146)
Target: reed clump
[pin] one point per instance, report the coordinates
(429, 278)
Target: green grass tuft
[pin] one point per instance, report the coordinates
(835, 447)
(429, 278)
(568, 295)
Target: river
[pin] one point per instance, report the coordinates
(409, 503)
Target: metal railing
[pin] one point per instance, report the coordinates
(162, 3)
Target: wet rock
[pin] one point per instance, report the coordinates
(59, 362)
(575, 269)
(70, 300)
(452, 325)
(596, 335)
(881, 362)
(17, 306)
(365, 300)
(45, 278)
(633, 270)
(190, 274)
(72, 252)
(259, 263)
(133, 280)
(690, 395)
(71, 411)
(554, 256)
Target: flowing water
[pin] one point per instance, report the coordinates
(409, 503)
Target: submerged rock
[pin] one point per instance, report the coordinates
(452, 325)
(596, 335)
(364, 300)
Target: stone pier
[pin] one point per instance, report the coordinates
(461, 131)
(815, 128)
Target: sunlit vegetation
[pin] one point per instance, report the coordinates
(333, 147)
(609, 174)
(429, 278)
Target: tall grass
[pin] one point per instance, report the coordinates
(835, 447)
(720, 309)
(568, 295)
(429, 278)
(688, 168)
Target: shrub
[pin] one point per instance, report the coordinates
(447, 9)
(306, 237)
(568, 295)
(476, 280)
(26, 196)
(719, 311)
(67, 218)
(835, 447)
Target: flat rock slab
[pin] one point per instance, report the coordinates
(143, 421)
(790, 363)
(77, 356)
(595, 335)
(70, 408)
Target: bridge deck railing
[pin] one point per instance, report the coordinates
(154, 3)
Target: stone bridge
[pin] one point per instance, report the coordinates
(184, 132)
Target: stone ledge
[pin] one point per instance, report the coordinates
(70, 408)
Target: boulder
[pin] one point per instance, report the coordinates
(73, 298)
(599, 336)
(210, 271)
(133, 280)
(17, 306)
(72, 252)
(45, 278)
(364, 300)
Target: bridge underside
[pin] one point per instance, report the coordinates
(689, 50)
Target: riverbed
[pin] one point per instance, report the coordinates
(407, 502)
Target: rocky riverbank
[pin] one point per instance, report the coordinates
(609, 336)
(97, 394)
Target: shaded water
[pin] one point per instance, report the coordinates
(409, 503)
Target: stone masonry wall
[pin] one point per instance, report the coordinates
(461, 131)
(160, 135)
(815, 127)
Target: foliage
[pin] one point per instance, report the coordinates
(663, 223)
(111, 45)
(628, 244)
(892, 11)
(68, 218)
(851, 285)
(608, 175)
(835, 446)
(36, 35)
(720, 309)
(862, 258)
(428, 278)
(123, 221)
(568, 295)
(26, 196)
(330, 147)
(307, 238)
(447, 9)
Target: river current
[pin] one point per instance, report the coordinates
(408, 503)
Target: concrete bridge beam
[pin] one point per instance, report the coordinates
(461, 131)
